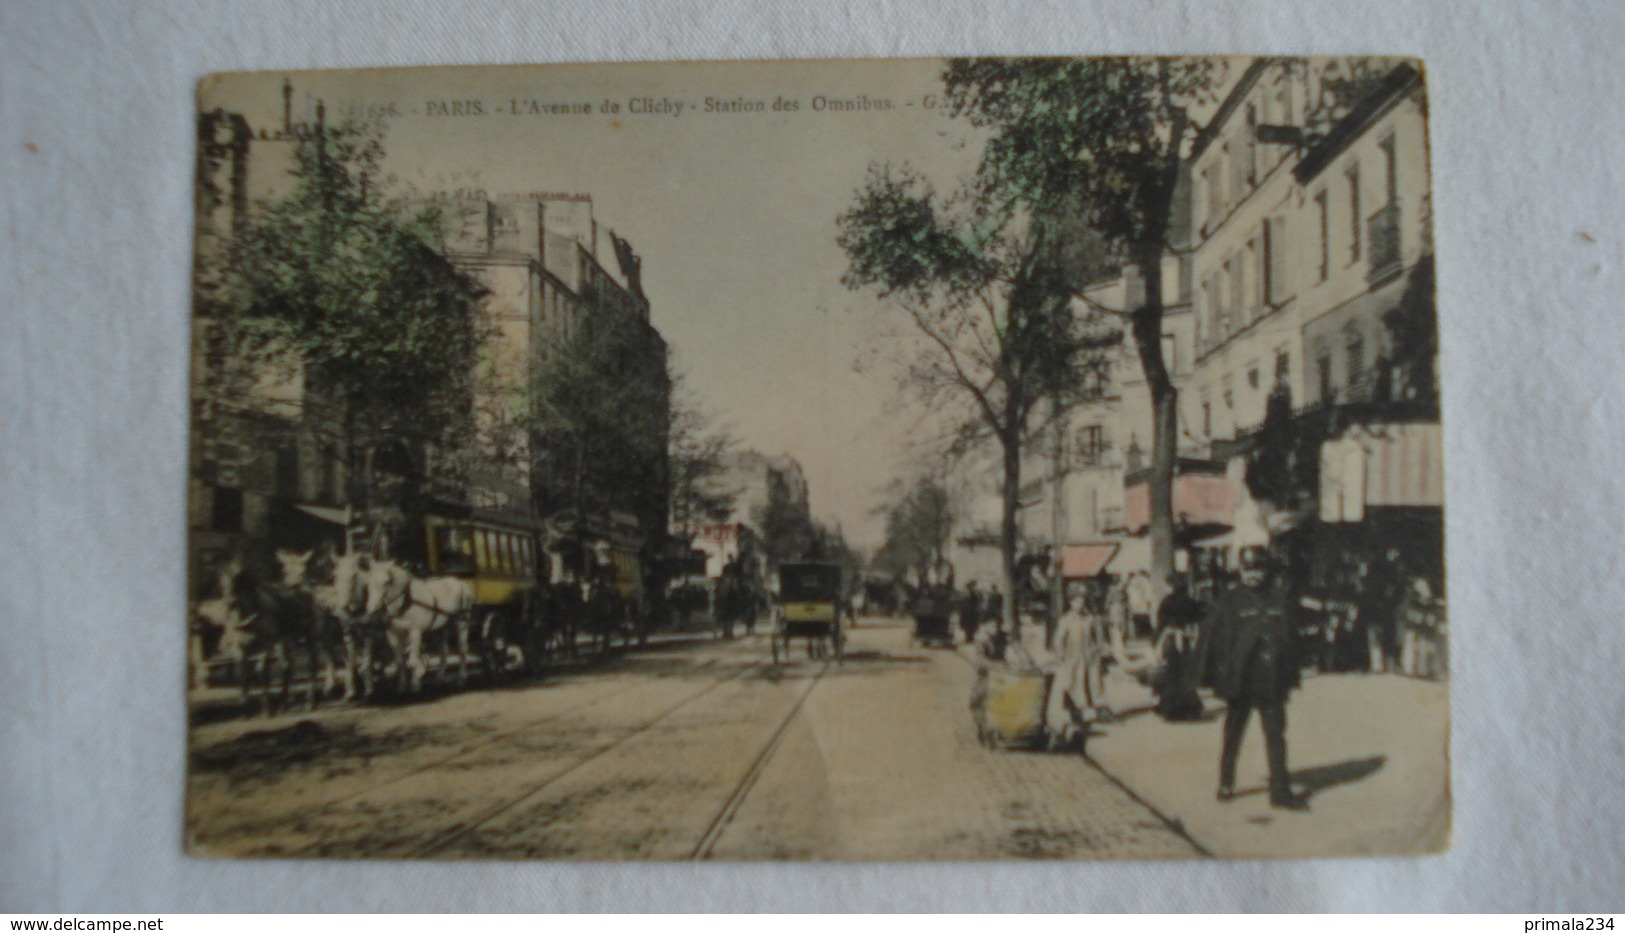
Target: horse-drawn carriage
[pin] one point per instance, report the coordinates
(498, 563)
(809, 608)
(454, 593)
(933, 610)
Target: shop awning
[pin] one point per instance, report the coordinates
(1380, 465)
(326, 513)
(1080, 561)
(1202, 498)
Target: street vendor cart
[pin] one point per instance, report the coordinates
(1008, 704)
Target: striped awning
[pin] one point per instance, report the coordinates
(1081, 561)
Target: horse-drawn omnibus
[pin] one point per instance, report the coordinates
(498, 560)
(810, 597)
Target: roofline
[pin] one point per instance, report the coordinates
(1231, 102)
(1403, 79)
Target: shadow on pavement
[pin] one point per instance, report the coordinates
(1322, 777)
(1319, 778)
(268, 752)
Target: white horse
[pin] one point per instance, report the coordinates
(215, 631)
(344, 599)
(417, 609)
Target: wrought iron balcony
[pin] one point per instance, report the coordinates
(1383, 236)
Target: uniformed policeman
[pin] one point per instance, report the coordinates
(1248, 655)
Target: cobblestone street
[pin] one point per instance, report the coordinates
(702, 750)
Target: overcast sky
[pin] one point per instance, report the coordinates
(733, 214)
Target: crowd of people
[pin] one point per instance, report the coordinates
(1246, 636)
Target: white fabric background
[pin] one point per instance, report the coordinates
(1527, 143)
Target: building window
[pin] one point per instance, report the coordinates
(1111, 519)
(1229, 395)
(1390, 171)
(1170, 353)
(1277, 289)
(1354, 350)
(1210, 310)
(1283, 366)
(1255, 282)
(1283, 103)
(1210, 189)
(1325, 235)
(1235, 313)
(1207, 419)
(1355, 217)
(1091, 445)
(285, 470)
(226, 511)
(1252, 378)
(1250, 146)
(1323, 367)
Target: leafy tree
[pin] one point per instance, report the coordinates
(988, 284)
(920, 522)
(699, 453)
(831, 545)
(1339, 85)
(787, 530)
(1108, 135)
(339, 284)
(600, 425)
(1407, 377)
(1274, 466)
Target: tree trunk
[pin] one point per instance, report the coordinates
(1057, 585)
(1010, 445)
(1147, 325)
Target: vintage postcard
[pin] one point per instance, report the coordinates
(819, 460)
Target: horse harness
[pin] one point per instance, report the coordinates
(405, 601)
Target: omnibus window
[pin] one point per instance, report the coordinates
(456, 549)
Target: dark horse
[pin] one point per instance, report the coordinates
(277, 624)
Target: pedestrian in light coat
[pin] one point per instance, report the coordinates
(1248, 647)
(1119, 619)
(1078, 693)
(1141, 603)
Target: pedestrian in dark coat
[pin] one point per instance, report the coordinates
(970, 612)
(1249, 652)
(1179, 619)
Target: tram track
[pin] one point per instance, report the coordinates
(441, 841)
(361, 793)
(730, 807)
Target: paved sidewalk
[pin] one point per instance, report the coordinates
(1369, 750)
